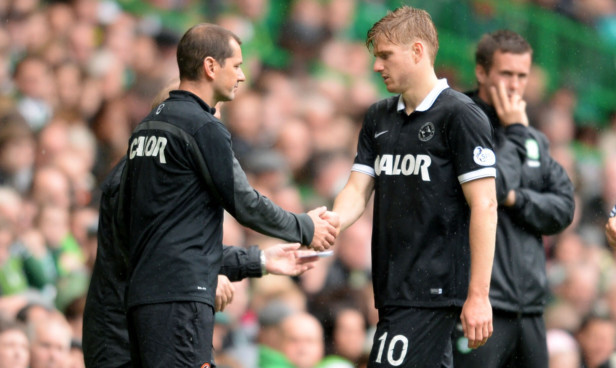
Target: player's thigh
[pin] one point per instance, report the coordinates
(177, 334)
(497, 350)
(532, 349)
(413, 337)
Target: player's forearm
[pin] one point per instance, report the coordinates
(482, 243)
(349, 205)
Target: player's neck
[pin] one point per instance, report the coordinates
(422, 86)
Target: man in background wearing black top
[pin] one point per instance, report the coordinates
(535, 198)
(181, 175)
(426, 154)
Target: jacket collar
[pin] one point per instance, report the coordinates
(180, 93)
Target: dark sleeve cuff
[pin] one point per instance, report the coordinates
(307, 228)
(516, 129)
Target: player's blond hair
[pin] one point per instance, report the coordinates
(403, 26)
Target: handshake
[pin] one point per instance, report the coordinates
(326, 228)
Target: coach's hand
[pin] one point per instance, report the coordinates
(288, 260)
(324, 232)
(476, 320)
(224, 293)
(511, 109)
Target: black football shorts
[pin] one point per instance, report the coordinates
(414, 337)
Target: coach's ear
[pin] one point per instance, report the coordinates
(209, 67)
(481, 74)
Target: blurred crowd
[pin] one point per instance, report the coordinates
(76, 76)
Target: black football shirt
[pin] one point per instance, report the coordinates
(420, 239)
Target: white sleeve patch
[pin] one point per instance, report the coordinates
(364, 169)
(484, 156)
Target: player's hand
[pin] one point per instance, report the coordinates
(476, 320)
(324, 232)
(288, 260)
(510, 109)
(334, 219)
(224, 293)
(610, 232)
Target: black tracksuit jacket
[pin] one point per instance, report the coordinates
(105, 334)
(181, 173)
(544, 205)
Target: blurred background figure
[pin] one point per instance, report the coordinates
(301, 340)
(50, 342)
(14, 345)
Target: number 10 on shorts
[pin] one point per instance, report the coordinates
(391, 346)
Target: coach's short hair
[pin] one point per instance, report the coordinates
(199, 42)
(502, 40)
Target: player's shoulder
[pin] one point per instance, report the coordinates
(386, 104)
(455, 98)
(460, 105)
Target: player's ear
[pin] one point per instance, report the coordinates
(209, 67)
(417, 50)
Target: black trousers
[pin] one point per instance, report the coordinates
(518, 340)
(176, 334)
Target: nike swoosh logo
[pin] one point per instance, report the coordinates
(376, 135)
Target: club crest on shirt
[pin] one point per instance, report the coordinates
(426, 132)
(532, 149)
(532, 153)
(484, 156)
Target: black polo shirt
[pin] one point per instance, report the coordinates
(420, 241)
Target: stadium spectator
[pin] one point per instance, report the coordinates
(596, 340)
(50, 341)
(17, 147)
(347, 338)
(301, 340)
(14, 345)
(563, 350)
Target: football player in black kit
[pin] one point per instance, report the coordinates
(427, 156)
(181, 175)
(535, 198)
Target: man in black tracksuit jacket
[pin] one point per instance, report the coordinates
(181, 175)
(105, 334)
(535, 199)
